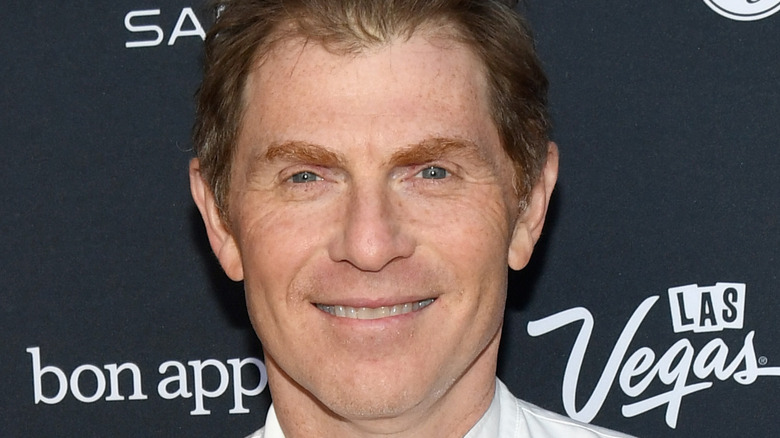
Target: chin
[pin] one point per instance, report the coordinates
(371, 395)
(370, 404)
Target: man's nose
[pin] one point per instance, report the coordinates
(374, 231)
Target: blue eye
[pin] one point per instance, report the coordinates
(434, 172)
(304, 177)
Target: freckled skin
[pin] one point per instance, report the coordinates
(366, 226)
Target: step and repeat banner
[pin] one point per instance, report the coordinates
(650, 305)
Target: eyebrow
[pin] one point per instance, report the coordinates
(432, 149)
(301, 151)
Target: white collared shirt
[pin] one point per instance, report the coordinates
(507, 417)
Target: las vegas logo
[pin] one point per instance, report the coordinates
(681, 370)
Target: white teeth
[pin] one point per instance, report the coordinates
(374, 313)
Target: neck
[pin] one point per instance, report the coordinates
(448, 413)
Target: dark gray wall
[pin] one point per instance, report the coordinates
(666, 114)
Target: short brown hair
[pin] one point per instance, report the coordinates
(247, 30)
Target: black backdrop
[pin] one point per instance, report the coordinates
(666, 114)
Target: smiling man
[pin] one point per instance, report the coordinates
(369, 169)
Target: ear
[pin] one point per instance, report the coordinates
(528, 227)
(222, 241)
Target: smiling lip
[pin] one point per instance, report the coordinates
(374, 312)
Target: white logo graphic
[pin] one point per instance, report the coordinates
(707, 309)
(142, 22)
(744, 10)
(175, 382)
(681, 369)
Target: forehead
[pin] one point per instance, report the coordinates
(403, 91)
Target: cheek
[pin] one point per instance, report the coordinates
(275, 245)
(473, 229)
(472, 242)
(474, 247)
(276, 248)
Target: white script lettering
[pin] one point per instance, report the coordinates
(673, 368)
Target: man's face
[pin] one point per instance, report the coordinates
(372, 213)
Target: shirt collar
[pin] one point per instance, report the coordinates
(489, 425)
(272, 428)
